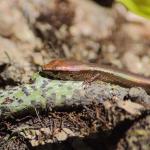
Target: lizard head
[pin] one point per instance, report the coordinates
(63, 65)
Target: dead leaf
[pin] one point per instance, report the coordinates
(130, 107)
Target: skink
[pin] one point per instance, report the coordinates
(75, 70)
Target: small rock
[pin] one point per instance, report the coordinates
(37, 59)
(139, 94)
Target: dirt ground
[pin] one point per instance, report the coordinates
(34, 32)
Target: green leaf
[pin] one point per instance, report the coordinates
(139, 7)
